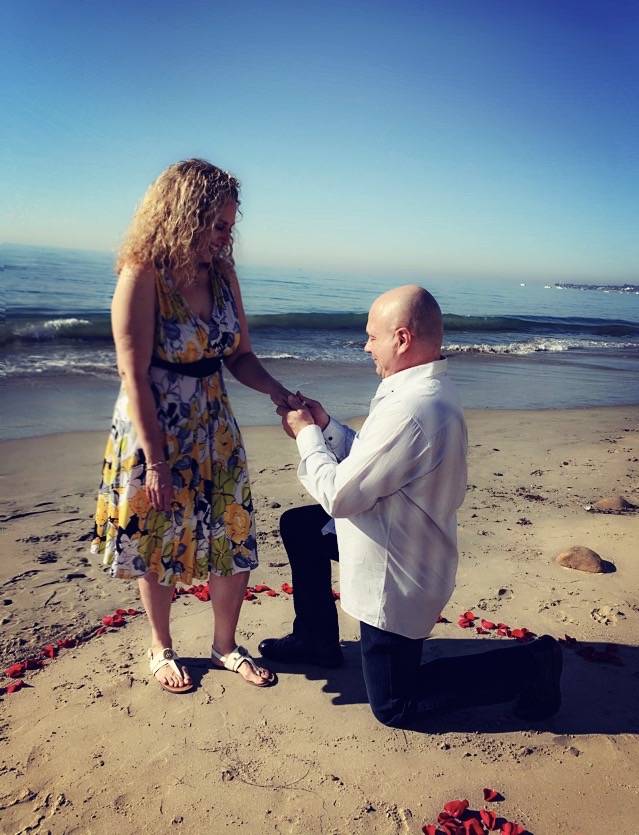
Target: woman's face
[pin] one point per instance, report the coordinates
(218, 236)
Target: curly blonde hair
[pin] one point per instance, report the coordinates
(176, 211)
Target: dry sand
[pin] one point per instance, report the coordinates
(93, 745)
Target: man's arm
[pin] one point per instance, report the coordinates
(391, 452)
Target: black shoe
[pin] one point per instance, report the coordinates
(292, 649)
(542, 697)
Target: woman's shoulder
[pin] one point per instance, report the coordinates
(137, 271)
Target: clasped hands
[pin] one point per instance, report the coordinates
(301, 411)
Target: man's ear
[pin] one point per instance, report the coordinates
(404, 339)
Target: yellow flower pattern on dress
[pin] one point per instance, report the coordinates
(211, 525)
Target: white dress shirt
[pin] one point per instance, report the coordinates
(393, 490)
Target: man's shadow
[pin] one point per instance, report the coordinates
(599, 697)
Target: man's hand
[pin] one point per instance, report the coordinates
(295, 419)
(318, 412)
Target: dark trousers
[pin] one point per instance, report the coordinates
(400, 688)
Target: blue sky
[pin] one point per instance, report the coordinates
(449, 137)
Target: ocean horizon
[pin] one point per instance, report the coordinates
(511, 344)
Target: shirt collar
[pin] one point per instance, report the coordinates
(408, 375)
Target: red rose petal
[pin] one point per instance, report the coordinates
(464, 623)
(488, 624)
(503, 632)
(429, 829)
(132, 612)
(456, 808)
(287, 588)
(107, 620)
(100, 631)
(336, 594)
(272, 593)
(261, 588)
(503, 626)
(15, 686)
(491, 795)
(451, 827)
(15, 670)
(49, 651)
(480, 631)
(249, 595)
(511, 828)
(473, 827)
(522, 634)
(33, 664)
(120, 612)
(488, 818)
(469, 615)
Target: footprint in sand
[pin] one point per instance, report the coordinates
(607, 615)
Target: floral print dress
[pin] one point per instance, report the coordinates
(211, 525)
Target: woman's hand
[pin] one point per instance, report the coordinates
(319, 413)
(280, 395)
(159, 487)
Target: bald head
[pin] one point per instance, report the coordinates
(404, 329)
(412, 307)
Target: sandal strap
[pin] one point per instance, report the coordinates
(233, 660)
(163, 658)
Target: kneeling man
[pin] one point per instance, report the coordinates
(393, 491)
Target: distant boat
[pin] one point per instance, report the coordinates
(522, 284)
(547, 287)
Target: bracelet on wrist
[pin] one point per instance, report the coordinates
(153, 465)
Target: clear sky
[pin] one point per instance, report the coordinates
(443, 137)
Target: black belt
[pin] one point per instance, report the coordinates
(200, 368)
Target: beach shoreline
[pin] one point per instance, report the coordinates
(308, 756)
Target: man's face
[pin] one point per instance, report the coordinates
(381, 344)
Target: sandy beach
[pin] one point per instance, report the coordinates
(91, 744)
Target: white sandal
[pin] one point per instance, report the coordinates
(167, 657)
(233, 661)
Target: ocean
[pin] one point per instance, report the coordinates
(511, 344)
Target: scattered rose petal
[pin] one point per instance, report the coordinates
(15, 686)
(287, 588)
(456, 808)
(473, 827)
(15, 670)
(522, 634)
(272, 593)
(429, 829)
(503, 626)
(261, 588)
(107, 620)
(249, 595)
(33, 664)
(464, 623)
(120, 612)
(67, 643)
(49, 651)
(503, 632)
(492, 796)
(100, 631)
(480, 631)
(469, 615)
(488, 624)
(488, 818)
(132, 612)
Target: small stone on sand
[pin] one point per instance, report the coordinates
(614, 504)
(581, 558)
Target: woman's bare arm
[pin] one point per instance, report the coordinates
(133, 323)
(243, 364)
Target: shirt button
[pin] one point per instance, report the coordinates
(330, 437)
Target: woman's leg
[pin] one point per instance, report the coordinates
(156, 600)
(227, 595)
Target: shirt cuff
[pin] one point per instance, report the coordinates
(334, 433)
(310, 440)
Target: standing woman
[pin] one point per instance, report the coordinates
(175, 501)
